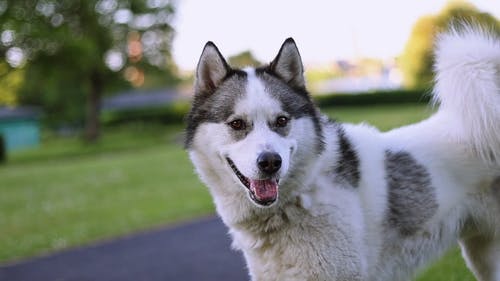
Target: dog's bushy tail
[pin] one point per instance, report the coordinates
(468, 86)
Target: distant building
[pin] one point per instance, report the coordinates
(19, 128)
(362, 76)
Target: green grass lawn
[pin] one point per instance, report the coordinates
(70, 194)
(65, 193)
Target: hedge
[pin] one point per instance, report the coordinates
(168, 114)
(176, 112)
(371, 98)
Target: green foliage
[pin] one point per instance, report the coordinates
(170, 114)
(65, 45)
(317, 75)
(61, 93)
(416, 61)
(417, 58)
(10, 82)
(378, 97)
(243, 59)
(321, 74)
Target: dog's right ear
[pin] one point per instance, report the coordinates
(211, 70)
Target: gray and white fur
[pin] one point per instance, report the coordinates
(306, 198)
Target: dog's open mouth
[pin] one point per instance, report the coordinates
(263, 192)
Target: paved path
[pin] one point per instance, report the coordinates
(197, 251)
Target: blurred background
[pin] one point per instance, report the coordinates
(93, 94)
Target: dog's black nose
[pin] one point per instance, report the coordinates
(269, 162)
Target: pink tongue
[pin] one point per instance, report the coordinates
(264, 190)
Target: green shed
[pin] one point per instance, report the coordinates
(19, 128)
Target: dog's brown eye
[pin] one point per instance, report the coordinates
(282, 121)
(237, 124)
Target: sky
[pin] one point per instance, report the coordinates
(323, 30)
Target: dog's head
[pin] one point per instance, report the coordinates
(249, 130)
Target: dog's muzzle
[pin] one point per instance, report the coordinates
(264, 192)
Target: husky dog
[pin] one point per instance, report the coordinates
(307, 198)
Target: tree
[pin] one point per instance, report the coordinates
(73, 51)
(3, 150)
(244, 59)
(417, 58)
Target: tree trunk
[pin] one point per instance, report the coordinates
(3, 150)
(92, 124)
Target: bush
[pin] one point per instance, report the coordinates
(173, 113)
(416, 61)
(371, 98)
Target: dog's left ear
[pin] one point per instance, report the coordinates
(288, 65)
(211, 70)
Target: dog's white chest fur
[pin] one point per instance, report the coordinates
(301, 244)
